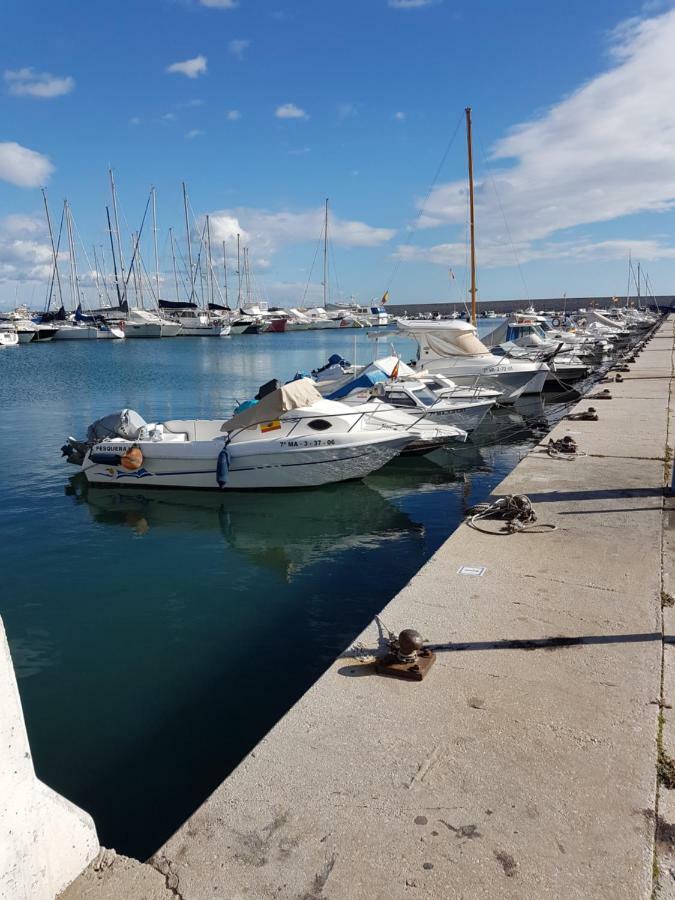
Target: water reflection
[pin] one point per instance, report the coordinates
(285, 532)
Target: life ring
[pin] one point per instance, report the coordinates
(555, 322)
(132, 459)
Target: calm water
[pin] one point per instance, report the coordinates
(158, 636)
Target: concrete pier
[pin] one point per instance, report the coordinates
(45, 841)
(525, 765)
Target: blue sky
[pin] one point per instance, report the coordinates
(266, 108)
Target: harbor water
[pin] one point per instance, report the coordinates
(158, 636)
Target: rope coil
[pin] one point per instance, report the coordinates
(515, 510)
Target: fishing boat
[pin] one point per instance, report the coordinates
(291, 437)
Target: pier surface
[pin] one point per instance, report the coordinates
(525, 765)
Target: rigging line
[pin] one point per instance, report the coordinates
(311, 271)
(416, 223)
(86, 256)
(506, 224)
(331, 250)
(53, 277)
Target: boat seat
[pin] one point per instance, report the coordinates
(182, 426)
(196, 429)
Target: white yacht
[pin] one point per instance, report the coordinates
(143, 323)
(292, 437)
(453, 348)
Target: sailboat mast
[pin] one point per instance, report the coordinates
(189, 244)
(75, 287)
(154, 235)
(638, 287)
(238, 275)
(227, 303)
(325, 256)
(54, 253)
(209, 261)
(471, 216)
(117, 224)
(112, 250)
(173, 257)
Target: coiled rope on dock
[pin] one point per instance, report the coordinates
(515, 510)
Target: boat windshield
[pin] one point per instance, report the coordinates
(425, 396)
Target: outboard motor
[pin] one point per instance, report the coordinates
(268, 388)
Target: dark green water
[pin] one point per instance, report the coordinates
(158, 636)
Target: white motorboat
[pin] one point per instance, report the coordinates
(453, 348)
(194, 323)
(8, 337)
(30, 332)
(143, 323)
(393, 382)
(77, 331)
(291, 438)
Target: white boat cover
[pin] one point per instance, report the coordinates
(290, 396)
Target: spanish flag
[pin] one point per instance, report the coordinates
(394, 371)
(270, 426)
(385, 297)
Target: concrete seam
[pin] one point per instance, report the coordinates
(165, 867)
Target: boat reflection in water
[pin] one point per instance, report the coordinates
(285, 532)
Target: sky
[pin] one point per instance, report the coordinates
(265, 108)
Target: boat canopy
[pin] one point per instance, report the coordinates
(448, 338)
(290, 396)
(176, 304)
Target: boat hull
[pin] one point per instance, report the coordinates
(250, 468)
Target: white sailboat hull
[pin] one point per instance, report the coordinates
(76, 333)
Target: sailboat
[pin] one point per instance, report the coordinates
(194, 321)
(453, 348)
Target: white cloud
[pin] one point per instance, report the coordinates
(168, 117)
(219, 4)
(238, 47)
(192, 68)
(410, 4)
(268, 231)
(290, 111)
(29, 83)
(194, 133)
(233, 115)
(23, 167)
(135, 120)
(604, 152)
(400, 116)
(25, 254)
(494, 255)
(300, 151)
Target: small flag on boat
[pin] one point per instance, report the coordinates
(394, 371)
(270, 426)
(385, 297)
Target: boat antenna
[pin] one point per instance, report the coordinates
(472, 216)
(51, 239)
